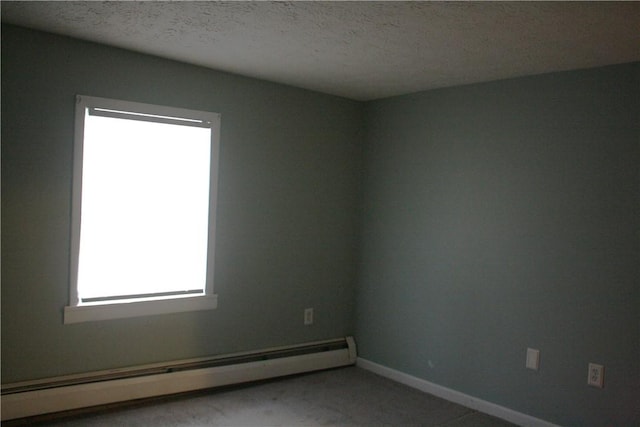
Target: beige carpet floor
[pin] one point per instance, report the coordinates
(339, 397)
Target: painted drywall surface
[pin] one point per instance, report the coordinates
(287, 211)
(503, 216)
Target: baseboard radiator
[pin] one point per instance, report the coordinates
(58, 394)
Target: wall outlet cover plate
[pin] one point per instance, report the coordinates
(596, 375)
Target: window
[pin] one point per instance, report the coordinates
(143, 210)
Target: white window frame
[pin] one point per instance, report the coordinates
(77, 312)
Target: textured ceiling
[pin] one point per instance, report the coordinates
(360, 50)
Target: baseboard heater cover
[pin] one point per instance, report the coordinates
(32, 398)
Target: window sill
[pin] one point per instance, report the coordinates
(90, 313)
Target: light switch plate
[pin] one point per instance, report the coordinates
(308, 316)
(533, 359)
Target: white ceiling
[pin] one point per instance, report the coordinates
(361, 50)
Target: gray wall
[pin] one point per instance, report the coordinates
(287, 214)
(503, 216)
(493, 217)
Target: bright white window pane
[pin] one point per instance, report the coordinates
(145, 208)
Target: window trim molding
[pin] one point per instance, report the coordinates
(76, 312)
(88, 313)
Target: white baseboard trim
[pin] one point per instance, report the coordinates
(454, 396)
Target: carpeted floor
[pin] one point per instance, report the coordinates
(339, 397)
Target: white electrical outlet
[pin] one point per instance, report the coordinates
(596, 375)
(308, 316)
(533, 359)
